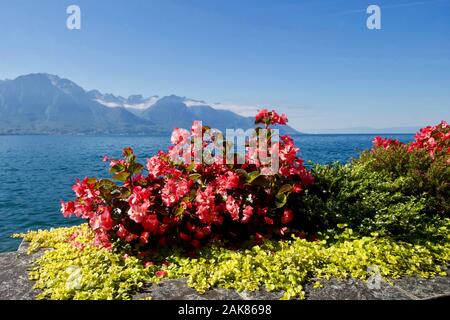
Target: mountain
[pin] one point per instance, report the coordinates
(174, 111)
(43, 103)
(133, 103)
(48, 104)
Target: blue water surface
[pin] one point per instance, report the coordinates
(36, 172)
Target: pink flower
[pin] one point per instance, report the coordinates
(180, 136)
(102, 239)
(262, 116)
(143, 239)
(232, 208)
(385, 143)
(67, 208)
(161, 273)
(151, 224)
(139, 203)
(184, 236)
(288, 153)
(283, 231)
(225, 182)
(102, 220)
(268, 220)
(278, 119)
(158, 165)
(205, 201)
(83, 189)
(296, 188)
(84, 209)
(197, 129)
(270, 117)
(247, 214)
(174, 190)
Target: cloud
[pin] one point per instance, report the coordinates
(243, 110)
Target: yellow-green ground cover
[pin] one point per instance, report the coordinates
(68, 272)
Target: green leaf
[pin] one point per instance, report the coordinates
(135, 168)
(179, 211)
(107, 184)
(117, 168)
(121, 176)
(92, 180)
(285, 188)
(252, 176)
(281, 200)
(195, 176)
(242, 172)
(127, 151)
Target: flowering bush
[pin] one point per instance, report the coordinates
(190, 203)
(435, 140)
(421, 167)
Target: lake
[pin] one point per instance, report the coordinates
(38, 171)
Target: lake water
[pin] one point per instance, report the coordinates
(38, 171)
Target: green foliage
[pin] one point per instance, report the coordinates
(66, 272)
(422, 174)
(370, 199)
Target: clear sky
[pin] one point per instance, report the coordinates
(315, 60)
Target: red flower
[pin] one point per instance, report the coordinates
(67, 208)
(287, 217)
(247, 214)
(102, 220)
(267, 117)
(233, 208)
(297, 187)
(139, 203)
(184, 236)
(161, 273)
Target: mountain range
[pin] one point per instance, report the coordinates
(42, 103)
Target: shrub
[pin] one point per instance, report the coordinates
(400, 190)
(367, 201)
(423, 163)
(189, 204)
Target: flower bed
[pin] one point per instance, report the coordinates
(191, 203)
(232, 225)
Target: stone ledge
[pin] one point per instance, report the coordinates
(15, 285)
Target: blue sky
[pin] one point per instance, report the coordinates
(314, 60)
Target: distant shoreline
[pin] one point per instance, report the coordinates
(168, 134)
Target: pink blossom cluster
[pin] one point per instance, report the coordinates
(433, 139)
(384, 143)
(189, 204)
(267, 117)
